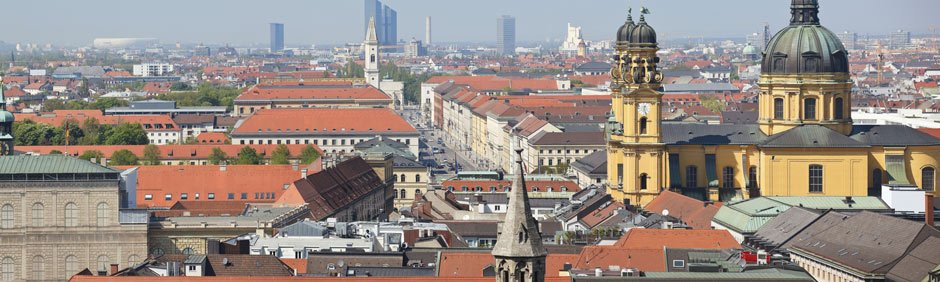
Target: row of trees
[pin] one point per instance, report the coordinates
(88, 132)
(247, 156)
(204, 95)
(99, 104)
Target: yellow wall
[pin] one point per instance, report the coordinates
(785, 171)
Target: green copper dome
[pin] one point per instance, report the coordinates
(804, 46)
(6, 117)
(750, 50)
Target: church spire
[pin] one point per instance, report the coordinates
(519, 253)
(371, 36)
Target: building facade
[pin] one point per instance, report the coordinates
(804, 143)
(277, 37)
(506, 35)
(60, 215)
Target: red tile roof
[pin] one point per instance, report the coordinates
(496, 83)
(691, 211)
(167, 152)
(57, 117)
(455, 264)
(658, 239)
(89, 278)
(649, 260)
(333, 188)
(325, 121)
(252, 181)
(212, 138)
(309, 93)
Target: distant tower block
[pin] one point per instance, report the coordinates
(427, 31)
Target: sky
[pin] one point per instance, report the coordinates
(243, 22)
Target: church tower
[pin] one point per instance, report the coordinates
(635, 147)
(805, 76)
(519, 253)
(6, 127)
(371, 49)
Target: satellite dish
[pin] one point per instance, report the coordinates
(665, 212)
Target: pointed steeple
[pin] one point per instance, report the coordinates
(519, 236)
(371, 36)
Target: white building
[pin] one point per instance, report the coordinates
(152, 69)
(572, 39)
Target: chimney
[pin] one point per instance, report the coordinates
(94, 160)
(222, 166)
(294, 165)
(114, 268)
(303, 173)
(928, 209)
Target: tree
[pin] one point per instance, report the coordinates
(248, 156)
(92, 130)
(75, 133)
(151, 155)
(91, 154)
(55, 152)
(180, 86)
(281, 155)
(218, 156)
(127, 134)
(309, 154)
(123, 157)
(712, 103)
(29, 133)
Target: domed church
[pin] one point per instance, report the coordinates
(803, 144)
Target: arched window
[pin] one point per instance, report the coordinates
(809, 108)
(395, 194)
(71, 265)
(103, 263)
(6, 269)
(417, 178)
(403, 178)
(71, 215)
(643, 178)
(643, 126)
(928, 178)
(691, 176)
(38, 217)
(188, 251)
(778, 108)
(38, 268)
(876, 179)
(838, 109)
(404, 194)
(104, 218)
(6, 216)
(752, 177)
(157, 251)
(815, 178)
(133, 260)
(727, 175)
(418, 193)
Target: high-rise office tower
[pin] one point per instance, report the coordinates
(373, 11)
(849, 40)
(766, 36)
(427, 31)
(900, 39)
(277, 37)
(390, 25)
(506, 35)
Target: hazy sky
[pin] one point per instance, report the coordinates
(336, 21)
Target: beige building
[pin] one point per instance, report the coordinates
(60, 215)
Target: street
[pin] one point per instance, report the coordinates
(442, 163)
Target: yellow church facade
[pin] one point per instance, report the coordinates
(803, 144)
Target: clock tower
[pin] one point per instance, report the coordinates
(635, 145)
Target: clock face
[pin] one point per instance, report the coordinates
(644, 108)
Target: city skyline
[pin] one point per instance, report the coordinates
(336, 22)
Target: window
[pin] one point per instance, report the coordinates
(38, 218)
(620, 174)
(403, 193)
(643, 126)
(6, 269)
(752, 177)
(168, 197)
(927, 178)
(188, 251)
(157, 251)
(778, 108)
(643, 178)
(728, 177)
(148, 197)
(71, 265)
(133, 260)
(231, 196)
(211, 196)
(244, 196)
(103, 263)
(417, 178)
(678, 263)
(71, 215)
(104, 218)
(184, 196)
(809, 108)
(403, 178)
(838, 108)
(192, 268)
(196, 196)
(815, 179)
(6, 216)
(691, 176)
(38, 268)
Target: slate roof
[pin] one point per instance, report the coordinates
(710, 87)
(915, 266)
(892, 135)
(811, 136)
(867, 242)
(238, 265)
(593, 163)
(593, 67)
(711, 134)
(690, 211)
(784, 226)
(25, 164)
